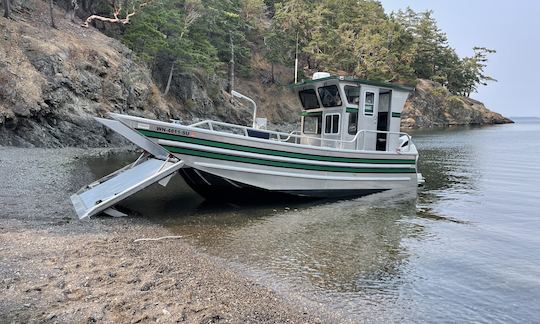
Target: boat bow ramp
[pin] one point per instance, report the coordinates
(154, 165)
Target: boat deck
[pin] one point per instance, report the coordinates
(295, 137)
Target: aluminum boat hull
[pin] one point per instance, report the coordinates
(226, 165)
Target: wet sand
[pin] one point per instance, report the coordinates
(57, 269)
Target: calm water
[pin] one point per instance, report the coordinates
(466, 249)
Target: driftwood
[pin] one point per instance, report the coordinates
(156, 239)
(116, 12)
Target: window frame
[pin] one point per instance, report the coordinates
(302, 98)
(349, 123)
(337, 92)
(365, 104)
(318, 127)
(345, 87)
(331, 115)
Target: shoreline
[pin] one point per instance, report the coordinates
(52, 276)
(59, 269)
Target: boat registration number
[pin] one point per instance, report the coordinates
(175, 131)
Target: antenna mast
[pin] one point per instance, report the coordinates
(296, 60)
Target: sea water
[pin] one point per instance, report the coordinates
(466, 248)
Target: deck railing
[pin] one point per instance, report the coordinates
(296, 137)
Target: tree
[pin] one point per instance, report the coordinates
(346, 36)
(290, 22)
(275, 49)
(474, 71)
(192, 12)
(7, 8)
(223, 22)
(51, 12)
(74, 5)
(171, 36)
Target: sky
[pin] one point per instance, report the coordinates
(512, 28)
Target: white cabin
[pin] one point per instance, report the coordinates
(351, 113)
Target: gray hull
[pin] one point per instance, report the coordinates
(217, 188)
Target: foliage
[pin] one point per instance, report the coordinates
(351, 37)
(434, 59)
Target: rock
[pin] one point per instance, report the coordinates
(431, 105)
(147, 286)
(53, 84)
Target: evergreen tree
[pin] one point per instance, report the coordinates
(346, 37)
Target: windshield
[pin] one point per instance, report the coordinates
(352, 94)
(308, 98)
(330, 96)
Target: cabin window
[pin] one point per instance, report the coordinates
(308, 98)
(312, 124)
(353, 95)
(353, 123)
(369, 103)
(331, 124)
(330, 96)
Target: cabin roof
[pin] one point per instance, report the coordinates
(359, 81)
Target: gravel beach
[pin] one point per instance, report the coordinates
(55, 268)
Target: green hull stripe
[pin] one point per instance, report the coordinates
(351, 110)
(250, 149)
(219, 156)
(315, 113)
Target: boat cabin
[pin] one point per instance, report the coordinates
(350, 113)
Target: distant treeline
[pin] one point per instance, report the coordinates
(350, 37)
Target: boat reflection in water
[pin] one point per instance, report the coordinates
(340, 253)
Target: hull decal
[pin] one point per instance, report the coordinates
(251, 149)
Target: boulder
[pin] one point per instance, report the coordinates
(431, 105)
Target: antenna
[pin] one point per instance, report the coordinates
(296, 60)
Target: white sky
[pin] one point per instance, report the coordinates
(510, 27)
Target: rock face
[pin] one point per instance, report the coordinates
(53, 82)
(431, 105)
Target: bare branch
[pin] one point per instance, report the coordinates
(116, 12)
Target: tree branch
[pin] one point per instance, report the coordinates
(116, 12)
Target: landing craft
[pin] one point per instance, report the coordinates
(349, 145)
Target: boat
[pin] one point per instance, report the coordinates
(349, 145)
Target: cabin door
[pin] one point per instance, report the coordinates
(332, 127)
(369, 103)
(383, 119)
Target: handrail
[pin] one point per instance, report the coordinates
(241, 96)
(299, 136)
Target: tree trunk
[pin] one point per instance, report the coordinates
(230, 76)
(73, 10)
(72, 15)
(53, 24)
(168, 87)
(7, 8)
(273, 79)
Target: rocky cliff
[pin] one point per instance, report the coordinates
(431, 105)
(53, 81)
